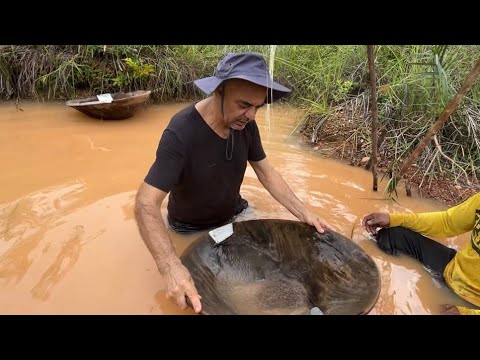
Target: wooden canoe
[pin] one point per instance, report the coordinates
(282, 267)
(123, 106)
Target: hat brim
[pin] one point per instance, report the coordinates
(276, 91)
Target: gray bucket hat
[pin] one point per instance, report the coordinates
(248, 66)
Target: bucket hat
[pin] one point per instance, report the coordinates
(248, 66)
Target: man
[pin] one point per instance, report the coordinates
(201, 161)
(460, 270)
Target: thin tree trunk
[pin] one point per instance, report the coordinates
(381, 139)
(373, 91)
(451, 107)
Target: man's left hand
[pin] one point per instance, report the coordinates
(316, 221)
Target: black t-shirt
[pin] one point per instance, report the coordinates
(191, 163)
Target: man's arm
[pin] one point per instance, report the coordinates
(154, 233)
(278, 188)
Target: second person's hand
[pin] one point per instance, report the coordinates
(374, 220)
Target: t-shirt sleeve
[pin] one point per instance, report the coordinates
(451, 222)
(165, 172)
(256, 152)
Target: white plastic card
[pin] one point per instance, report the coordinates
(220, 234)
(105, 98)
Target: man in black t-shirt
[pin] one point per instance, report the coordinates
(202, 170)
(201, 161)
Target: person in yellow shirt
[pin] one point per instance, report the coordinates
(407, 234)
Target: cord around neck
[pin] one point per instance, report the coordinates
(231, 134)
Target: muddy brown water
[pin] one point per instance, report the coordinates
(68, 239)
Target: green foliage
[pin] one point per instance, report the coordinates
(135, 71)
(343, 88)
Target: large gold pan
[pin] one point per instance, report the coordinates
(282, 267)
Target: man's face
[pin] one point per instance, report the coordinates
(241, 102)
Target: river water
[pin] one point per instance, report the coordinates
(68, 239)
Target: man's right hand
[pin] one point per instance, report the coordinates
(374, 220)
(180, 284)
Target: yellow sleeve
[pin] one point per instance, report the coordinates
(452, 222)
(467, 311)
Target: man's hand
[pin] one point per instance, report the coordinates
(180, 284)
(450, 310)
(374, 220)
(314, 220)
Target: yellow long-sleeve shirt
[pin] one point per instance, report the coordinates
(462, 274)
